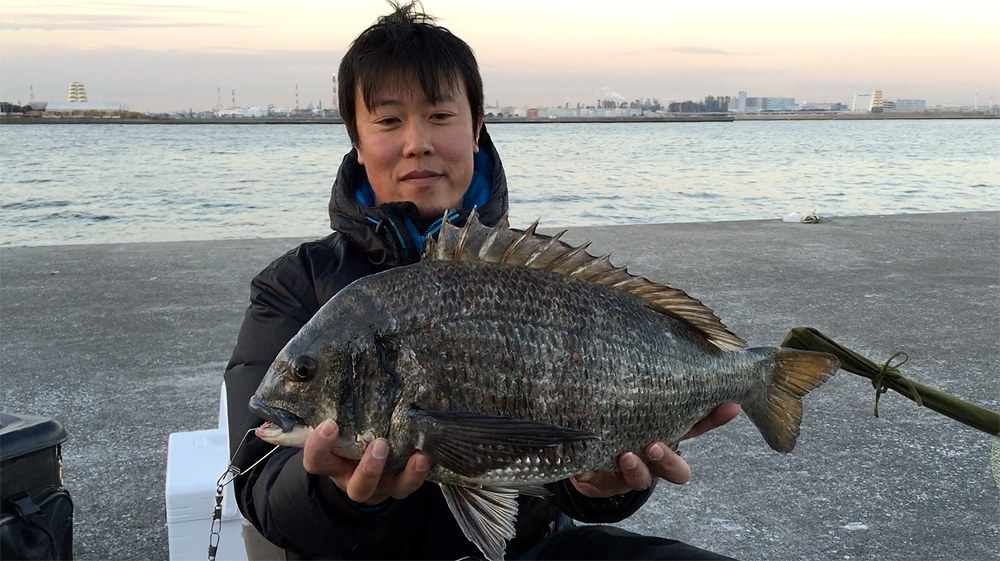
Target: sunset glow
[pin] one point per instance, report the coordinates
(175, 55)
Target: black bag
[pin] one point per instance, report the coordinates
(36, 512)
(38, 526)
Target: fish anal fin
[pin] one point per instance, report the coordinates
(486, 516)
(796, 373)
(471, 444)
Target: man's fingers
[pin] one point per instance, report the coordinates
(716, 418)
(417, 469)
(364, 481)
(599, 484)
(634, 476)
(317, 455)
(635, 473)
(363, 484)
(665, 463)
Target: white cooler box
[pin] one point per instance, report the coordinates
(195, 460)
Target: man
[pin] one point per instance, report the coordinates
(412, 100)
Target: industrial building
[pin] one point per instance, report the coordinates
(874, 103)
(85, 109)
(77, 93)
(76, 105)
(911, 105)
(868, 102)
(746, 104)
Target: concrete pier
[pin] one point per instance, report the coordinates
(126, 343)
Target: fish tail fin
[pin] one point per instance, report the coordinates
(778, 413)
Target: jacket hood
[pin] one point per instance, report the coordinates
(382, 232)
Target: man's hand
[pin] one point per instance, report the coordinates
(363, 480)
(663, 462)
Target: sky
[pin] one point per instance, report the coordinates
(176, 55)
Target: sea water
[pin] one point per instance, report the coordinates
(106, 183)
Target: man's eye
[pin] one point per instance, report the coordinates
(387, 121)
(441, 116)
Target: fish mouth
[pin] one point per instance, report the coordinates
(279, 417)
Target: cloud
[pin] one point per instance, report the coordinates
(695, 50)
(100, 47)
(154, 80)
(162, 7)
(125, 6)
(149, 80)
(689, 50)
(608, 93)
(96, 22)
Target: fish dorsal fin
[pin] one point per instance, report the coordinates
(503, 244)
(486, 516)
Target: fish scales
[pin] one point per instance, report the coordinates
(559, 349)
(512, 360)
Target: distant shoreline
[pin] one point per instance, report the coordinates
(680, 118)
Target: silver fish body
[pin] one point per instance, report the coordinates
(518, 363)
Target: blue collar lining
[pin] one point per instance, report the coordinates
(476, 196)
(435, 227)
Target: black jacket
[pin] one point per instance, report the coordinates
(307, 514)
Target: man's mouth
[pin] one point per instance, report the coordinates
(420, 174)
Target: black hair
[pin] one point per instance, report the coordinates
(398, 48)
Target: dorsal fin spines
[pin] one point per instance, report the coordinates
(491, 239)
(502, 244)
(432, 249)
(504, 223)
(447, 238)
(542, 249)
(566, 262)
(493, 234)
(610, 276)
(592, 267)
(464, 233)
(513, 247)
(628, 282)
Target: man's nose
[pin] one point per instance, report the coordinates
(417, 138)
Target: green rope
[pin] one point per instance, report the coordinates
(892, 371)
(887, 377)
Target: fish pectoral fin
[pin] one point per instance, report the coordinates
(485, 514)
(470, 444)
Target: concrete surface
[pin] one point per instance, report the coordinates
(126, 343)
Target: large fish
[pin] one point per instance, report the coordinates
(513, 360)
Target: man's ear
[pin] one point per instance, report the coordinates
(361, 157)
(479, 127)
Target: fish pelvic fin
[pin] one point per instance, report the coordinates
(486, 516)
(502, 244)
(796, 373)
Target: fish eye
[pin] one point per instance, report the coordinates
(302, 368)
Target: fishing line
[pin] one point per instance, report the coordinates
(227, 477)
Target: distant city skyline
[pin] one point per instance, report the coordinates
(169, 56)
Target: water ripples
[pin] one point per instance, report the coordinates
(113, 183)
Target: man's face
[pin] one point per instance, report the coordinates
(417, 151)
